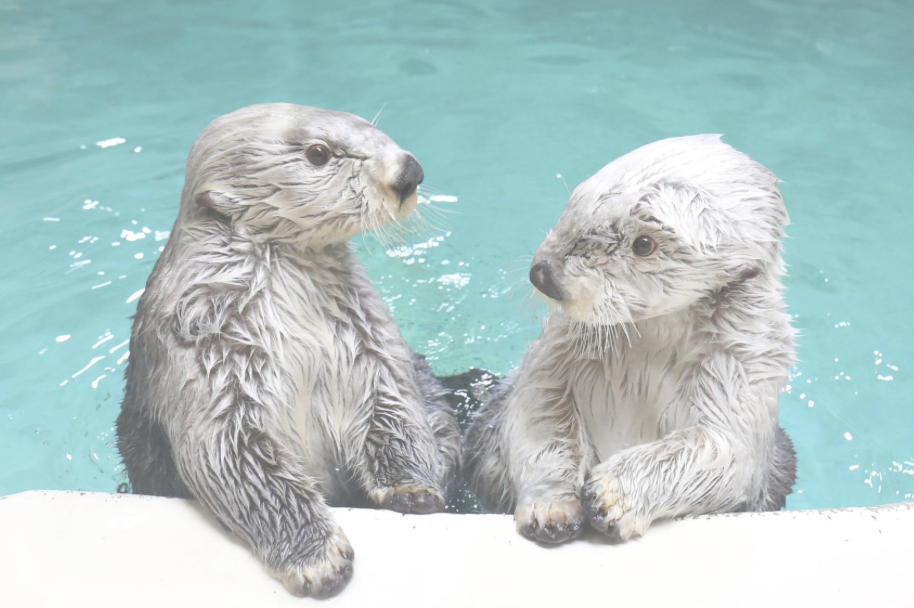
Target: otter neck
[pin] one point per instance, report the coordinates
(238, 236)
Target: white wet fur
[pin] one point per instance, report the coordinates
(653, 390)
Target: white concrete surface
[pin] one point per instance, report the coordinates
(82, 549)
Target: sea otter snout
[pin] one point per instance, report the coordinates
(408, 179)
(544, 279)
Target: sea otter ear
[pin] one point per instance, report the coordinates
(744, 273)
(216, 201)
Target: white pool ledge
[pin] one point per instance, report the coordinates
(83, 549)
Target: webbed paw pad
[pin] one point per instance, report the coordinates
(607, 508)
(549, 521)
(324, 575)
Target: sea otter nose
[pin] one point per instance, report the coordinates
(541, 276)
(408, 179)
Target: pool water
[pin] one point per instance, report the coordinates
(100, 102)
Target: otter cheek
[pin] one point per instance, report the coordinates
(582, 300)
(578, 313)
(406, 208)
(652, 302)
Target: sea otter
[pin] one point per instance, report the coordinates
(266, 375)
(653, 390)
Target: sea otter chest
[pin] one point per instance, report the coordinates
(633, 393)
(317, 315)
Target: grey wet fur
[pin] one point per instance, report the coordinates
(653, 390)
(267, 377)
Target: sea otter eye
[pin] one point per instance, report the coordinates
(317, 155)
(644, 246)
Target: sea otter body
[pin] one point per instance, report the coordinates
(266, 374)
(653, 390)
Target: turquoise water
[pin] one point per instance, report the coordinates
(100, 102)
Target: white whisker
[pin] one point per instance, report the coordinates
(374, 121)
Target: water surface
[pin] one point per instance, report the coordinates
(100, 102)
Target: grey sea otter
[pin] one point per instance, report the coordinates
(653, 390)
(266, 376)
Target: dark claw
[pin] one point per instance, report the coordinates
(594, 511)
(331, 585)
(304, 591)
(552, 531)
(529, 528)
(588, 494)
(612, 532)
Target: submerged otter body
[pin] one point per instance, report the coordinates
(653, 390)
(266, 375)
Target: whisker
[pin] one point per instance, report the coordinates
(381, 235)
(423, 187)
(439, 210)
(532, 304)
(613, 334)
(423, 225)
(567, 189)
(374, 122)
(526, 259)
(519, 287)
(627, 337)
(366, 229)
(437, 214)
(433, 217)
(524, 268)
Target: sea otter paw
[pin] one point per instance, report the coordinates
(549, 521)
(608, 507)
(409, 499)
(322, 575)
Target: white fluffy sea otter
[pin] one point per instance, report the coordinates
(653, 390)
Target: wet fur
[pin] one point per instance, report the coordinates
(653, 390)
(267, 377)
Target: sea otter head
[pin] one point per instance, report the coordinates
(660, 229)
(293, 173)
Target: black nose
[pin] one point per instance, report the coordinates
(541, 277)
(410, 176)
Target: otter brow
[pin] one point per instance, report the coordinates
(605, 241)
(641, 212)
(338, 152)
(650, 219)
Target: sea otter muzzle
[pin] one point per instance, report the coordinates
(408, 179)
(542, 278)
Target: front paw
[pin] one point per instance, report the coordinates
(324, 574)
(608, 508)
(549, 521)
(409, 499)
